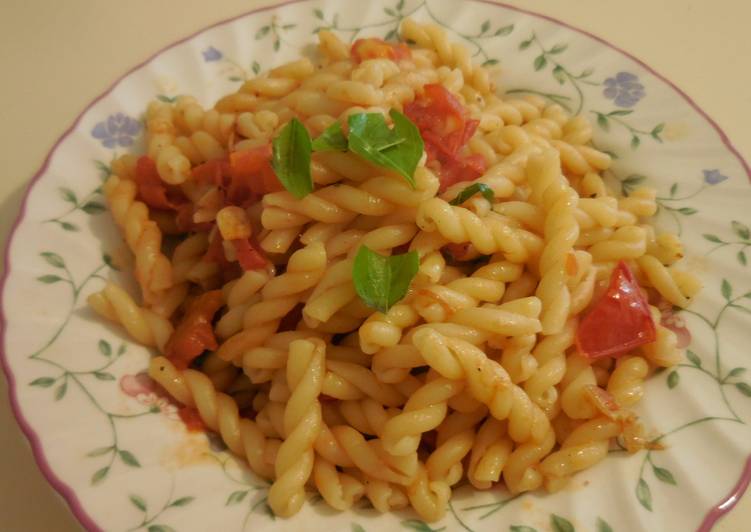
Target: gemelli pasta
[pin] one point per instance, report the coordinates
(373, 276)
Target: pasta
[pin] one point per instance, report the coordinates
(385, 280)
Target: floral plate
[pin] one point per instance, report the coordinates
(111, 444)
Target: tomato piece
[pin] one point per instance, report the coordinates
(373, 48)
(271, 182)
(251, 175)
(195, 333)
(211, 172)
(245, 164)
(151, 189)
(457, 170)
(191, 419)
(215, 251)
(445, 129)
(436, 110)
(250, 256)
(441, 102)
(619, 321)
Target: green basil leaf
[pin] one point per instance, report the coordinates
(332, 139)
(471, 190)
(381, 281)
(398, 149)
(291, 158)
(372, 127)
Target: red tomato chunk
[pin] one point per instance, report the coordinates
(249, 255)
(152, 190)
(195, 333)
(244, 177)
(619, 321)
(446, 129)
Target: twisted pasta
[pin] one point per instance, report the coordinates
(144, 325)
(584, 447)
(626, 382)
(152, 269)
(454, 55)
(445, 463)
(490, 451)
(302, 424)
(486, 380)
(385, 330)
(459, 225)
(339, 490)
(436, 302)
(472, 375)
(279, 296)
(550, 354)
(424, 411)
(549, 189)
(521, 469)
(428, 497)
(219, 412)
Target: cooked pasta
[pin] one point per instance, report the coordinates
(385, 280)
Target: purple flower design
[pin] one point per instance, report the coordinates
(117, 130)
(211, 54)
(714, 177)
(624, 89)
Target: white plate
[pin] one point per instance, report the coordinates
(112, 446)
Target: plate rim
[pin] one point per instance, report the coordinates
(69, 495)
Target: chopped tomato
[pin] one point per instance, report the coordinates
(215, 252)
(195, 333)
(270, 181)
(249, 256)
(151, 189)
(251, 175)
(445, 129)
(436, 110)
(373, 48)
(212, 172)
(244, 177)
(245, 167)
(247, 163)
(456, 170)
(619, 321)
(191, 419)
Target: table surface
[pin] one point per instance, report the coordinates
(57, 56)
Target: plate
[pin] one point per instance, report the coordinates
(111, 444)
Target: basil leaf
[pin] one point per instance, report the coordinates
(332, 139)
(372, 126)
(381, 281)
(471, 190)
(398, 149)
(291, 158)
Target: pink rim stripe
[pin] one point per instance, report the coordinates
(729, 501)
(66, 491)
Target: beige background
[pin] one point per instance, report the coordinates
(56, 56)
